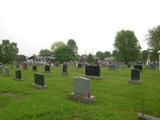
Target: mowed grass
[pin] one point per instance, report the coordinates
(116, 99)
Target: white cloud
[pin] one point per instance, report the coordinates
(36, 24)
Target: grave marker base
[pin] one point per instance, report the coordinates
(147, 117)
(47, 71)
(93, 77)
(83, 98)
(18, 79)
(64, 73)
(136, 81)
(39, 86)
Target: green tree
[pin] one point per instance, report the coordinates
(153, 55)
(144, 55)
(45, 52)
(100, 55)
(107, 54)
(72, 44)
(153, 40)
(64, 54)
(57, 45)
(90, 59)
(8, 51)
(127, 46)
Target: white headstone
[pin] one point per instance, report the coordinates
(81, 89)
(81, 86)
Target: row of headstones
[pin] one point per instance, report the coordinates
(90, 71)
(34, 68)
(48, 69)
(25, 66)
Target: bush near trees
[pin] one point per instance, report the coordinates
(8, 51)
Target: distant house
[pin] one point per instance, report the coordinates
(109, 60)
(40, 60)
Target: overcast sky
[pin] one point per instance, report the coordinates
(36, 24)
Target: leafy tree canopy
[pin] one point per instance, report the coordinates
(57, 45)
(64, 53)
(127, 46)
(72, 44)
(45, 52)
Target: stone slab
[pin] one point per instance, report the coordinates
(147, 117)
(83, 98)
(39, 86)
(136, 81)
(93, 77)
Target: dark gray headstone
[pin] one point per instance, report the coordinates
(92, 71)
(39, 80)
(138, 66)
(64, 69)
(135, 76)
(18, 75)
(34, 68)
(47, 68)
(79, 65)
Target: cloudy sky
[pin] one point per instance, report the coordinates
(36, 24)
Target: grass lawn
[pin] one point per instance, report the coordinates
(116, 99)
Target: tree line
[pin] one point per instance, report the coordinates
(126, 49)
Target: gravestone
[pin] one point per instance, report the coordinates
(39, 81)
(57, 64)
(152, 66)
(92, 72)
(34, 68)
(138, 66)
(18, 75)
(79, 65)
(64, 69)
(135, 76)
(7, 71)
(47, 68)
(112, 66)
(25, 66)
(129, 65)
(1, 69)
(17, 66)
(81, 89)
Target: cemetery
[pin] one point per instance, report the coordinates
(79, 60)
(76, 97)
